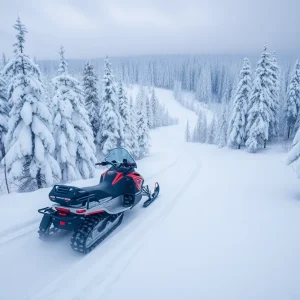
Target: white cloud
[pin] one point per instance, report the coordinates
(93, 28)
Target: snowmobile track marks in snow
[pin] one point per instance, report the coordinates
(11, 235)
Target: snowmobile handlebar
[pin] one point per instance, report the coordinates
(115, 164)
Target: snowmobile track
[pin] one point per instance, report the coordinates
(80, 235)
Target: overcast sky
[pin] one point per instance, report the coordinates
(94, 28)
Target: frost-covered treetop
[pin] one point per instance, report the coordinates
(109, 91)
(21, 30)
(246, 68)
(296, 76)
(21, 67)
(63, 67)
(108, 76)
(64, 81)
(293, 95)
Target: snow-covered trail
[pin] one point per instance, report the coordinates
(225, 226)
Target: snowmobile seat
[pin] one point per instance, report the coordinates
(97, 190)
(74, 196)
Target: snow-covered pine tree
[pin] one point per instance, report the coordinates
(149, 112)
(187, 132)
(63, 65)
(140, 97)
(4, 117)
(274, 89)
(177, 91)
(91, 95)
(197, 129)
(200, 130)
(203, 129)
(29, 142)
(212, 131)
(126, 118)
(110, 134)
(143, 130)
(293, 100)
(204, 85)
(154, 104)
(237, 123)
(4, 111)
(75, 149)
(260, 105)
(221, 138)
(134, 147)
(294, 154)
(4, 60)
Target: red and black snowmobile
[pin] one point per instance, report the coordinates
(92, 213)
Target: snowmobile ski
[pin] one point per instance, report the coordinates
(153, 196)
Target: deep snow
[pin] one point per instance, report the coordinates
(225, 226)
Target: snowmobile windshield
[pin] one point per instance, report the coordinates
(118, 155)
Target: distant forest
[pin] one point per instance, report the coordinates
(212, 77)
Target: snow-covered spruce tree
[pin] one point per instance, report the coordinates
(212, 131)
(203, 129)
(197, 129)
(4, 111)
(91, 96)
(177, 91)
(63, 65)
(143, 130)
(221, 139)
(134, 147)
(110, 133)
(294, 154)
(140, 97)
(29, 142)
(200, 131)
(237, 123)
(75, 149)
(154, 104)
(149, 112)
(293, 100)
(274, 89)
(204, 85)
(4, 60)
(260, 105)
(187, 132)
(126, 118)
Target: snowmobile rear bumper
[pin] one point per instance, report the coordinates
(66, 222)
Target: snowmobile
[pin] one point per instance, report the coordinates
(94, 212)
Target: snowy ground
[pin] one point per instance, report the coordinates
(226, 226)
